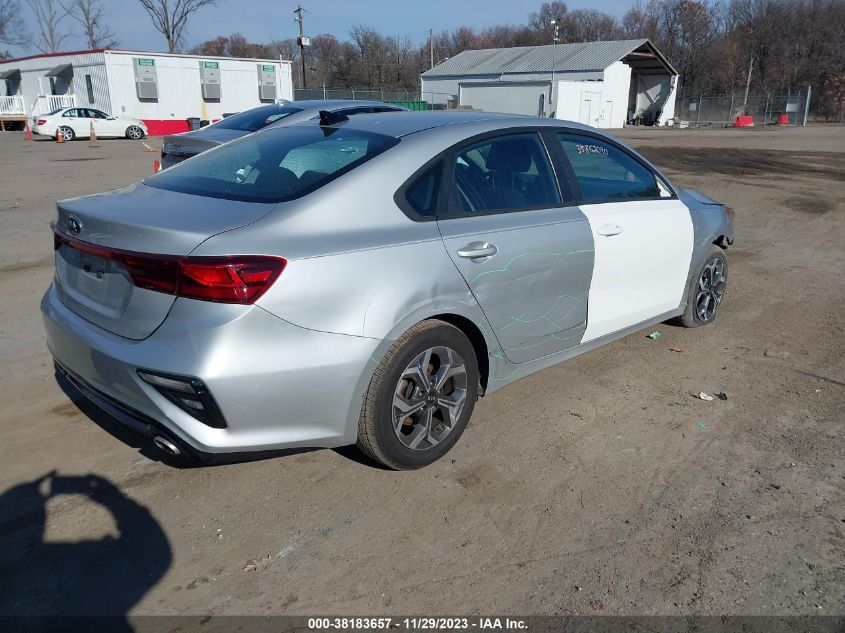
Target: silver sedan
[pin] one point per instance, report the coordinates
(365, 281)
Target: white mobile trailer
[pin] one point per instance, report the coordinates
(162, 89)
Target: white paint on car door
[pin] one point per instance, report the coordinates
(642, 235)
(643, 251)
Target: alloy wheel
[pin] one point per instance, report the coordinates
(429, 398)
(710, 289)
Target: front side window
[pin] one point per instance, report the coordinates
(274, 166)
(505, 173)
(605, 172)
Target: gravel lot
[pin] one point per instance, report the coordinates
(599, 486)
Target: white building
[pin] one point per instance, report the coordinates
(162, 89)
(602, 84)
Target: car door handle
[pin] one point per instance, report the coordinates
(477, 250)
(609, 229)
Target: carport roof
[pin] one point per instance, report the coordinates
(578, 57)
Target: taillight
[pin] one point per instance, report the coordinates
(240, 279)
(41, 122)
(227, 279)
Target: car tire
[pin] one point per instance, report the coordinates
(134, 133)
(67, 133)
(406, 442)
(706, 289)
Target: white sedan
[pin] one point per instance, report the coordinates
(74, 122)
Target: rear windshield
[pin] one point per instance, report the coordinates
(257, 118)
(274, 165)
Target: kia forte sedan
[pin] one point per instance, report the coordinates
(364, 282)
(178, 147)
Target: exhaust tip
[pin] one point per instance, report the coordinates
(166, 445)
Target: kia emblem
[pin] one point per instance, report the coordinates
(74, 225)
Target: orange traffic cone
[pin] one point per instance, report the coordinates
(156, 166)
(28, 132)
(59, 136)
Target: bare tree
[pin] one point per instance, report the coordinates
(171, 16)
(92, 18)
(643, 20)
(11, 26)
(48, 15)
(588, 25)
(540, 20)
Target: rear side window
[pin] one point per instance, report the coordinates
(421, 195)
(257, 118)
(604, 172)
(353, 111)
(275, 165)
(505, 173)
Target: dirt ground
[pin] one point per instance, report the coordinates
(599, 486)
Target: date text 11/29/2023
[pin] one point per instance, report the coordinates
(416, 624)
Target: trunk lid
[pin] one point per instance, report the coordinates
(140, 219)
(192, 143)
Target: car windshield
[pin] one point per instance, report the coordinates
(257, 118)
(274, 165)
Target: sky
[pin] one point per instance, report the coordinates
(265, 20)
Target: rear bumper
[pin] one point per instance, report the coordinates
(135, 420)
(277, 385)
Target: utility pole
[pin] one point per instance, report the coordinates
(748, 82)
(431, 46)
(555, 39)
(302, 41)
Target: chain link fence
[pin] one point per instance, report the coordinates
(422, 101)
(767, 109)
(301, 94)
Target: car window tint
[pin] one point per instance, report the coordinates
(276, 165)
(604, 172)
(96, 114)
(422, 193)
(504, 173)
(256, 118)
(353, 111)
(70, 113)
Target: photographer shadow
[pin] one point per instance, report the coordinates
(105, 576)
